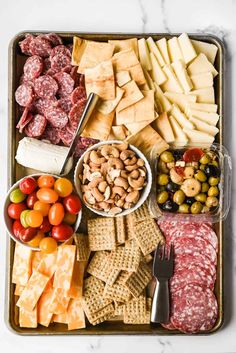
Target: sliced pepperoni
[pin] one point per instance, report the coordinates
(169, 326)
(54, 39)
(45, 86)
(65, 104)
(60, 61)
(51, 134)
(184, 261)
(46, 65)
(87, 141)
(76, 113)
(33, 67)
(57, 117)
(66, 136)
(24, 95)
(40, 46)
(60, 49)
(65, 83)
(26, 117)
(78, 94)
(41, 105)
(25, 44)
(36, 126)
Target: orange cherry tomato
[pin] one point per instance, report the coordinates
(48, 245)
(46, 181)
(63, 187)
(42, 207)
(47, 195)
(69, 218)
(34, 219)
(56, 214)
(36, 240)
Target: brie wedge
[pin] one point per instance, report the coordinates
(162, 99)
(163, 127)
(144, 54)
(172, 84)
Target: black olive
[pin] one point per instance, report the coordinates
(170, 206)
(211, 170)
(178, 154)
(189, 200)
(172, 187)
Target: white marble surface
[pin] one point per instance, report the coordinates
(203, 16)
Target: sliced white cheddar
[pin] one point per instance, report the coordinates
(162, 99)
(174, 49)
(182, 75)
(154, 49)
(180, 99)
(205, 107)
(172, 84)
(180, 137)
(145, 87)
(157, 73)
(144, 54)
(200, 65)
(149, 80)
(199, 137)
(209, 118)
(163, 47)
(204, 127)
(210, 50)
(180, 117)
(204, 95)
(187, 49)
(202, 80)
(163, 127)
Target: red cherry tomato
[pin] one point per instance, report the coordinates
(17, 228)
(69, 218)
(56, 214)
(27, 234)
(45, 226)
(180, 170)
(31, 199)
(193, 155)
(28, 185)
(62, 232)
(46, 181)
(72, 204)
(14, 210)
(47, 195)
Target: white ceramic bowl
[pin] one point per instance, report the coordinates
(8, 221)
(144, 193)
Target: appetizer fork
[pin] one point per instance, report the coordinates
(163, 267)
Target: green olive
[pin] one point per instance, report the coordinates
(196, 207)
(162, 179)
(160, 188)
(213, 191)
(162, 197)
(213, 181)
(162, 167)
(184, 208)
(205, 187)
(167, 157)
(215, 163)
(179, 197)
(199, 175)
(205, 159)
(212, 201)
(201, 197)
(202, 167)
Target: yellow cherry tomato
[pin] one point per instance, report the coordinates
(46, 181)
(42, 207)
(63, 187)
(47, 195)
(69, 218)
(48, 245)
(56, 214)
(36, 240)
(34, 219)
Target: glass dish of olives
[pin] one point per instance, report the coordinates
(191, 183)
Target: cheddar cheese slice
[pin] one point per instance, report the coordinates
(44, 315)
(22, 265)
(59, 301)
(76, 288)
(28, 318)
(75, 315)
(47, 265)
(64, 267)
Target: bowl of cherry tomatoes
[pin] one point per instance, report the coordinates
(42, 211)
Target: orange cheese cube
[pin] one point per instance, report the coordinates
(21, 271)
(64, 267)
(28, 318)
(44, 315)
(75, 315)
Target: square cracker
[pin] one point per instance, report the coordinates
(135, 311)
(131, 96)
(104, 314)
(82, 247)
(99, 126)
(148, 235)
(94, 53)
(100, 80)
(101, 234)
(141, 213)
(118, 291)
(123, 44)
(120, 229)
(125, 258)
(98, 266)
(138, 280)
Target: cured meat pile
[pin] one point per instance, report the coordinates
(193, 303)
(51, 92)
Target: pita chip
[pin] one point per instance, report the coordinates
(79, 45)
(132, 95)
(123, 44)
(99, 126)
(122, 77)
(106, 107)
(117, 133)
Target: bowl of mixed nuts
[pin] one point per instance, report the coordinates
(113, 178)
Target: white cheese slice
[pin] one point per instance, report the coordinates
(144, 56)
(200, 65)
(157, 73)
(202, 80)
(204, 95)
(174, 49)
(205, 107)
(180, 137)
(162, 46)
(199, 137)
(187, 49)
(204, 127)
(209, 118)
(182, 75)
(149, 80)
(180, 117)
(154, 49)
(172, 84)
(162, 99)
(163, 127)
(180, 99)
(210, 50)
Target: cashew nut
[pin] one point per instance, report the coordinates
(94, 157)
(130, 168)
(118, 190)
(119, 203)
(93, 175)
(104, 205)
(127, 154)
(86, 157)
(127, 205)
(94, 182)
(108, 151)
(121, 182)
(115, 210)
(136, 184)
(124, 174)
(107, 193)
(140, 162)
(89, 198)
(122, 147)
(114, 173)
(134, 174)
(115, 163)
(132, 196)
(142, 172)
(130, 161)
(102, 186)
(97, 195)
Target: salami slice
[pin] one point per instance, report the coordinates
(87, 141)
(41, 105)
(66, 136)
(46, 65)
(57, 117)
(169, 326)
(51, 134)
(26, 117)
(24, 95)
(54, 39)
(45, 86)
(60, 49)
(65, 104)
(75, 114)
(36, 126)
(33, 67)
(194, 309)
(78, 94)
(67, 69)
(79, 151)
(65, 83)
(40, 46)
(60, 61)
(187, 261)
(25, 44)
